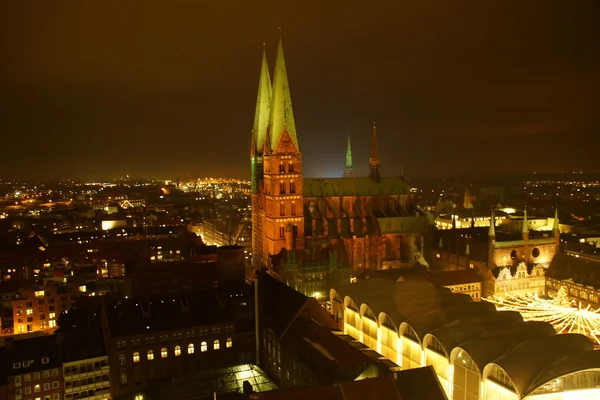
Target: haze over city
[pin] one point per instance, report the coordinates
(97, 89)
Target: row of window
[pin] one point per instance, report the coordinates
(121, 344)
(282, 167)
(36, 375)
(38, 388)
(164, 353)
(84, 368)
(29, 311)
(19, 396)
(282, 187)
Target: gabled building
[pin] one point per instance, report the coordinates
(509, 263)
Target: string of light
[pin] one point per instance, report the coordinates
(558, 311)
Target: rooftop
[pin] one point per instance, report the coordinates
(173, 310)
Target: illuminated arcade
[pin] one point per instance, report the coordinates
(477, 350)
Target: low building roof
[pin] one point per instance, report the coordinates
(329, 356)
(382, 387)
(449, 278)
(420, 383)
(170, 311)
(31, 351)
(582, 270)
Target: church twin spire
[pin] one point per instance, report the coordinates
(263, 106)
(274, 113)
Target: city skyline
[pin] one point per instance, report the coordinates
(95, 90)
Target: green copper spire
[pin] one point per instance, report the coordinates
(349, 168)
(263, 105)
(282, 116)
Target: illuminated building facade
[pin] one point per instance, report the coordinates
(509, 263)
(87, 378)
(38, 308)
(518, 266)
(476, 351)
(370, 222)
(577, 274)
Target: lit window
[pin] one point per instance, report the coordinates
(229, 342)
(191, 348)
(178, 350)
(150, 355)
(136, 357)
(203, 347)
(216, 344)
(163, 352)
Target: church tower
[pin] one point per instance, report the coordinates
(374, 159)
(349, 168)
(257, 142)
(283, 224)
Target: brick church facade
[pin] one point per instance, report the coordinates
(366, 222)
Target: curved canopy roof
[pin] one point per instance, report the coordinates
(575, 362)
(530, 359)
(451, 336)
(493, 344)
(399, 300)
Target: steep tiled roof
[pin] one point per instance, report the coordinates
(329, 187)
(582, 270)
(281, 304)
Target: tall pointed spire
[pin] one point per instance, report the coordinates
(282, 115)
(263, 104)
(525, 228)
(349, 168)
(556, 224)
(374, 159)
(492, 231)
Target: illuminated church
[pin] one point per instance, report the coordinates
(364, 222)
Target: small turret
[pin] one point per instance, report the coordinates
(556, 227)
(349, 168)
(374, 159)
(525, 228)
(492, 231)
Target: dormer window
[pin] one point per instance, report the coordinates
(45, 360)
(17, 365)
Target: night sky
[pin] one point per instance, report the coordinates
(93, 89)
